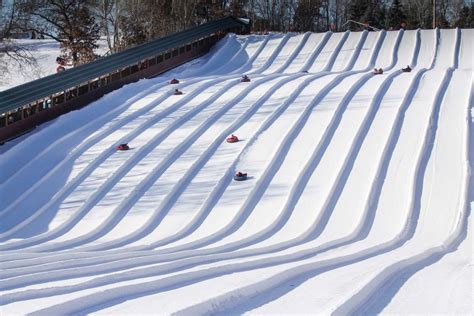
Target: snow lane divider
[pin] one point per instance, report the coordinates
(314, 102)
(102, 120)
(177, 190)
(357, 50)
(249, 90)
(374, 53)
(336, 51)
(316, 52)
(324, 41)
(244, 68)
(92, 166)
(240, 299)
(416, 54)
(364, 298)
(138, 96)
(178, 150)
(274, 117)
(295, 53)
(274, 55)
(84, 146)
(136, 157)
(380, 40)
(66, 190)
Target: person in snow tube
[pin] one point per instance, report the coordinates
(239, 176)
(60, 69)
(174, 81)
(232, 139)
(177, 92)
(408, 69)
(378, 71)
(123, 147)
(61, 61)
(245, 78)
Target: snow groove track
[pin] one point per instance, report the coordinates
(298, 125)
(160, 168)
(351, 191)
(119, 173)
(288, 101)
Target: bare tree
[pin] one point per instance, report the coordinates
(275, 14)
(10, 50)
(107, 12)
(307, 15)
(70, 22)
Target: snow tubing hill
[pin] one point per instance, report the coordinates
(358, 202)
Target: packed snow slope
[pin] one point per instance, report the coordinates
(357, 201)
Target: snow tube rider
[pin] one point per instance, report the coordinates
(407, 69)
(239, 176)
(61, 62)
(245, 78)
(123, 147)
(377, 71)
(232, 139)
(174, 81)
(177, 92)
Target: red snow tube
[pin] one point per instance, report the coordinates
(123, 147)
(239, 176)
(232, 139)
(174, 81)
(60, 69)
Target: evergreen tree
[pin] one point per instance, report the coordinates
(471, 17)
(465, 19)
(237, 7)
(371, 12)
(396, 15)
(306, 15)
(132, 32)
(419, 13)
(81, 40)
(357, 13)
(378, 15)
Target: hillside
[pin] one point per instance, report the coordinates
(358, 199)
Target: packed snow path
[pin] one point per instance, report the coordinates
(357, 202)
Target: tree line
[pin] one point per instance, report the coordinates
(78, 24)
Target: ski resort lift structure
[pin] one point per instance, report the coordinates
(366, 25)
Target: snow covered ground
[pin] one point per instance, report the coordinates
(45, 53)
(358, 199)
